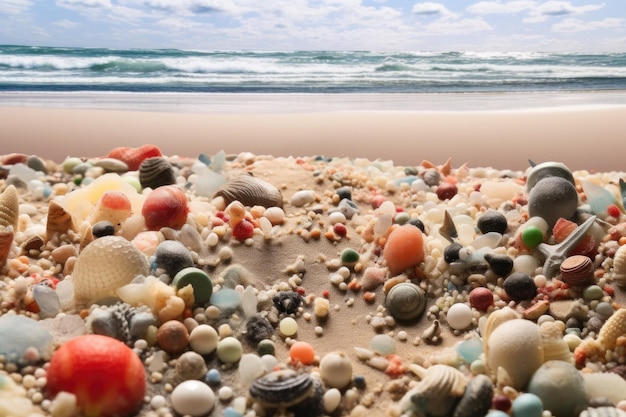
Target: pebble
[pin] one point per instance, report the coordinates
(302, 198)
(213, 377)
(288, 327)
(560, 388)
(250, 368)
(347, 207)
(229, 350)
(520, 286)
(492, 221)
(336, 370)
(332, 399)
(383, 344)
(193, 398)
(527, 405)
(481, 298)
(196, 277)
(552, 198)
(173, 337)
(459, 316)
(190, 365)
(172, 256)
(451, 252)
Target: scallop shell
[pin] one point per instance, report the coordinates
(282, 388)
(250, 191)
(155, 172)
(9, 207)
(577, 270)
(554, 347)
(438, 391)
(59, 220)
(619, 266)
(6, 242)
(614, 327)
(405, 301)
(106, 264)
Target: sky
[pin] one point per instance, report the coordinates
(376, 25)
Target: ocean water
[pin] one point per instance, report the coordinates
(69, 70)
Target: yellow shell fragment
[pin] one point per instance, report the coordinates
(613, 328)
(105, 265)
(9, 207)
(6, 241)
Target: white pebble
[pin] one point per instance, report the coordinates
(302, 198)
(225, 393)
(203, 339)
(336, 217)
(275, 215)
(332, 398)
(459, 316)
(64, 405)
(158, 401)
(193, 397)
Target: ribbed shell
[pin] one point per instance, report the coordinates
(155, 172)
(106, 264)
(619, 266)
(59, 220)
(603, 412)
(577, 270)
(282, 388)
(6, 241)
(554, 347)
(9, 207)
(436, 394)
(614, 327)
(250, 191)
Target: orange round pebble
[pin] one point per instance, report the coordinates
(404, 248)
(302, 352)
(173, 337)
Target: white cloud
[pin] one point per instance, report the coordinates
(498, 7)
(578, 25)
(67, 24)
(459, 26)
(433, 9)
(84, 4)
(558, 8)
(14, 7)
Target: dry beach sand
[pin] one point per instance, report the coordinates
(373, 153)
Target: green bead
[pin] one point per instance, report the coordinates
(199, 280)
(229, 350)
(349, 257)
(266, 347)
(402, 218)
(532, 236)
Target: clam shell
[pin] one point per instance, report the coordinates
(104, 265)
(250, 191)
(437, 393)
(155, 172)
(577, 270)
(6, 242)
(282, 388)
(59, 220)
(619, 266)
(9, 207)
(405, 301)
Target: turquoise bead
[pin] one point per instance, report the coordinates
(470, 349)
(527, 405)
(199, 280)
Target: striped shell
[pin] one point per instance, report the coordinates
(59, 220)
(104, 265)
(577, 270)
(405, 301)
(619, 266)
(155, 172)
(6, 241)
(9, 207)
(250, 191)
(614, 327)
(438, 391)
(282, 388)
(554, 347)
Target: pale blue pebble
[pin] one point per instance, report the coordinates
(218, 161)
(227, 300)
(231, 412)
(213, 377)
(420, 185)
(47, 300)
(383, 344)
(497, 413)
(527, 405)
(205, 159)
(604, 309)
(19, 333)
(406, 180)
(470, 349)
(207, 184)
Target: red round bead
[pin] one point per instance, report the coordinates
(613, 211)
(501, 402)
(340, 229)
(481, 298)
(446, 191)
(243, 230)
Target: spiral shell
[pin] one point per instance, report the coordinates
(614, 327)
(155, 172)
(250, 191)
(104, 265)
(282, 388)
(577, 270)
(554, 347)
(438, 391)
(405, 301)
(9, 207)
(59, 220)
(619, 266)
(6, 241)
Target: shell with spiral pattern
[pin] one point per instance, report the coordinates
(9, 207)
(59, 220)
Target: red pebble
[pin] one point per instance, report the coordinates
(133, 157)
(243, 230)
(165, 206)
(340, 229)
(481, 298)
(446, 191)
(395, 368)
(377, 200)
(501, 402)
(105, 375)
(613, 211)
(115, 200)
(587, 245)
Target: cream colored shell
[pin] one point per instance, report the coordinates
(6, 242)
(614, 327)
(554, 347)
(9, 207)
(619, 266)
(105, 265)
(435, 395)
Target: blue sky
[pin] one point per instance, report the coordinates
(517, 25)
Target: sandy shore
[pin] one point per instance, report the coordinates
(583, 137)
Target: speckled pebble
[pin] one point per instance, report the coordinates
(173, 337)
(190, 365)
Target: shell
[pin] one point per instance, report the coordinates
(6, 242)
(438, 391)
(619, 266)
(104, 265)
(603, 412)
(476, 400)
(250, 191)
(59, 220)
(548, 169)
(614, 327)
(133, 157)
(282, 388)
(577, 270)
(9, 207)
(156, 171)
(405, 301)
(554, 347)
(495, 319)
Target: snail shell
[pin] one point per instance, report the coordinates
(438, 391)
(105, 265)
(250, 191)
(155, 172)
(619, 266)
(554, 347)
(6, 241)
(59, 220)
(405, 301)
(614, 327)
(9, 207)
(282, 388)
(577, 270)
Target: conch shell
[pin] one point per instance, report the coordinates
(9, 207)
(437, 392)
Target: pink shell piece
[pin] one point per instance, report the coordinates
(133, 157)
